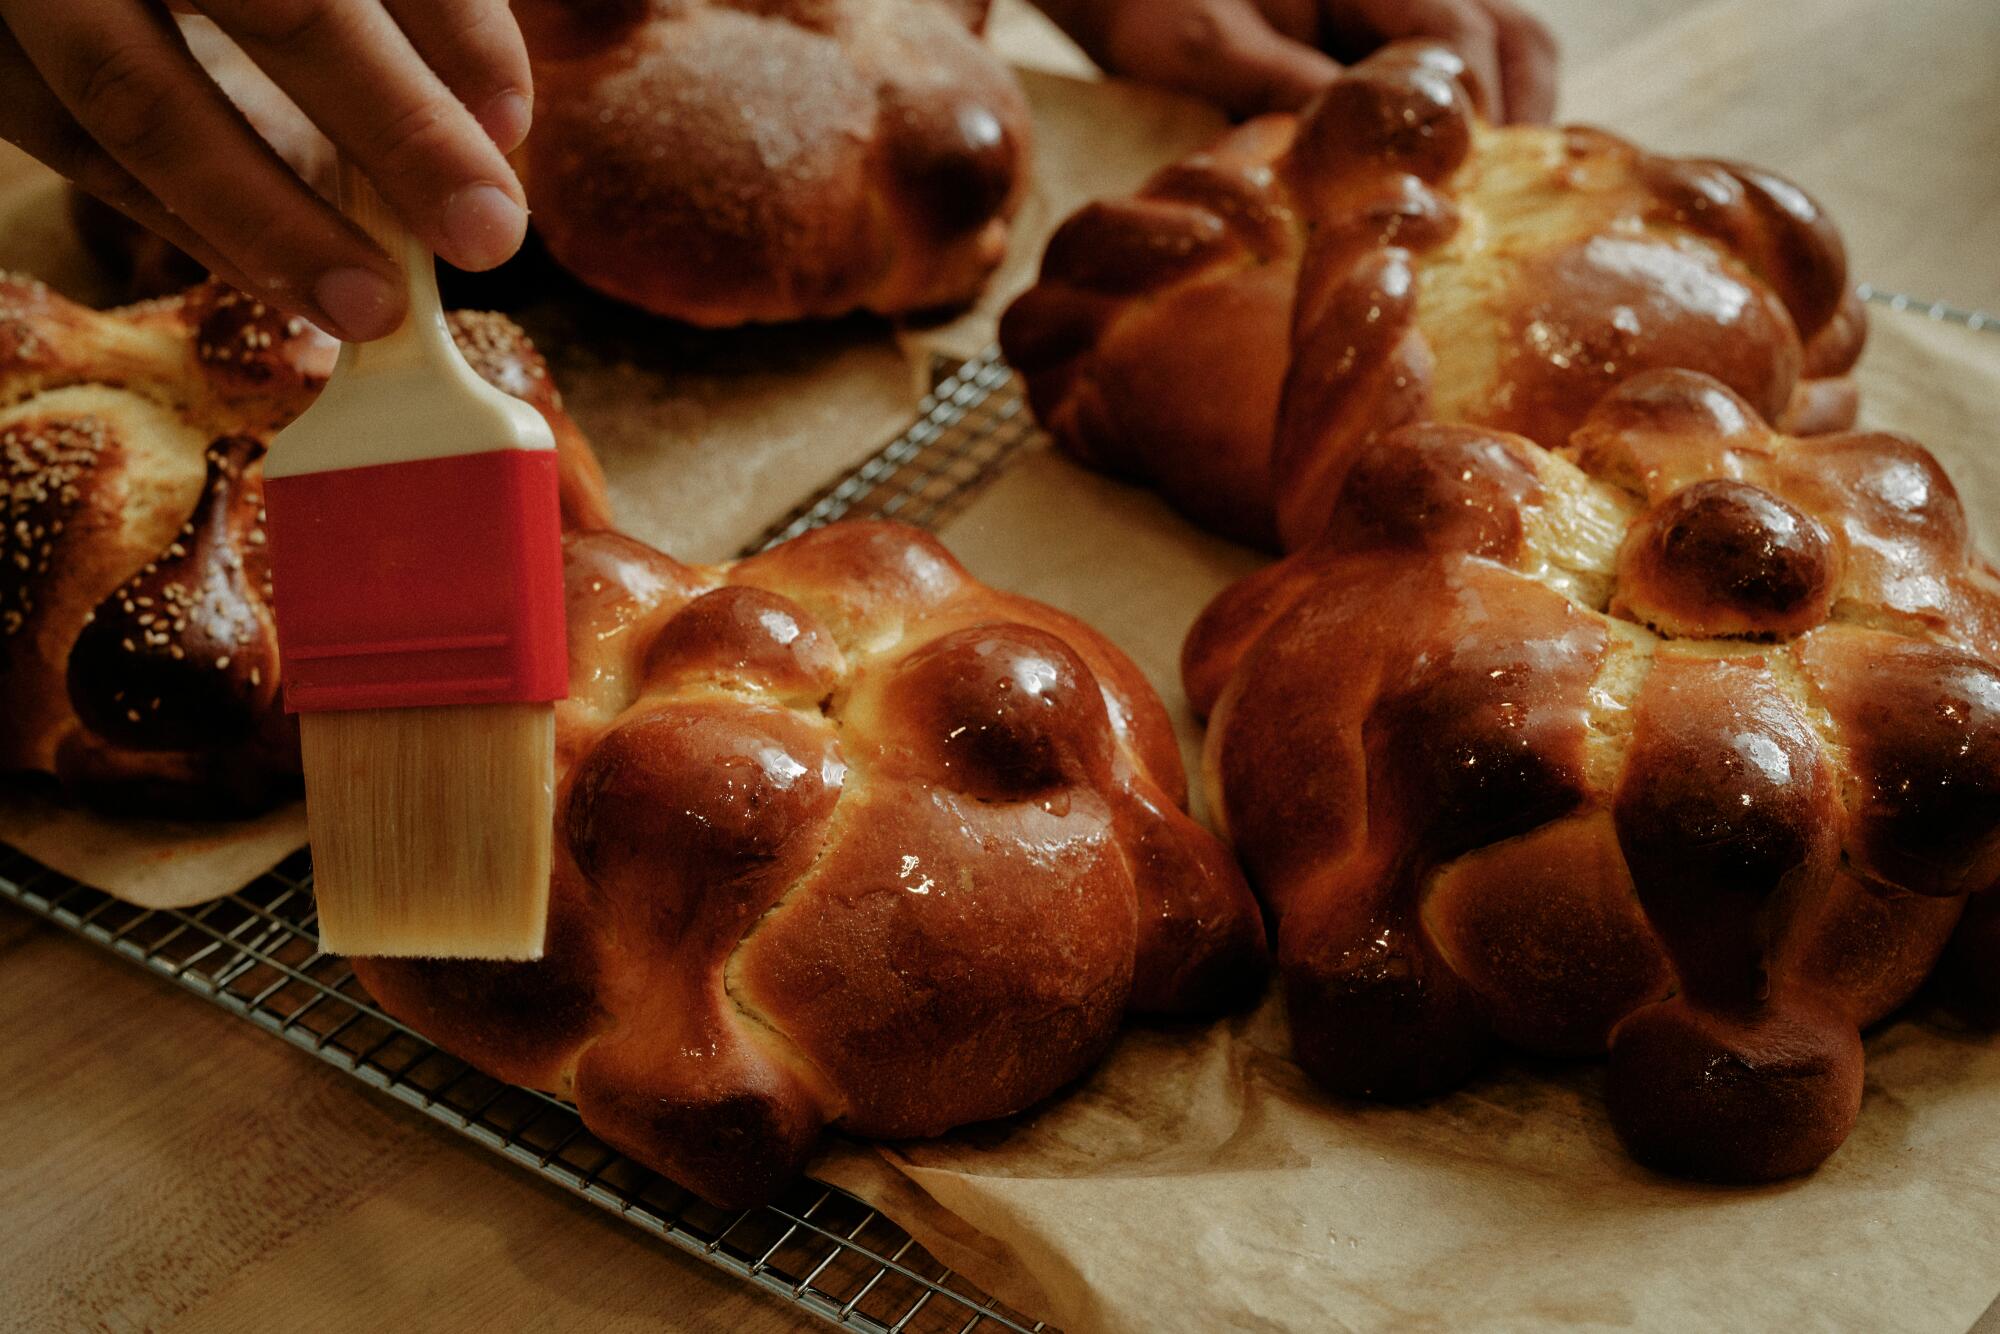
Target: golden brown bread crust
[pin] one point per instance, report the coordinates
(1681, 741)
(1240, 330)
(137, 655)
(843, 838)
(733, 161)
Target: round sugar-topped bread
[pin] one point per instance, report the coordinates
(729, 161)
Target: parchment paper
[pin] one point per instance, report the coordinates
(153, 863)
(1197, 1182)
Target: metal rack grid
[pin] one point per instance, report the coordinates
(256, 954)
(1978, 321)
(968, 427)
(819, 1249)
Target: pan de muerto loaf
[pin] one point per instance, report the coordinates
(729, 161)
(843, 838)
(1387, 258)
(137, 660)
(1681, 741)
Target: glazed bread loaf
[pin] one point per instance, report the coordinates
(843, 838)
(1680, 741)
(1240, 330)
(137, 658)
(731, 161)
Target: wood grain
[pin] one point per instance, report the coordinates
(164, 1166)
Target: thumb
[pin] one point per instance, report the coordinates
(1254, 68)
(1223, 50)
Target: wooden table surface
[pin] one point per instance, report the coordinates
(165, 1166)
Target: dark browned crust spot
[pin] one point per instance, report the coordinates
(184, 655)
(1699, 1095)
(1722, 558)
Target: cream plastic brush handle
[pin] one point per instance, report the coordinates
(410, 394)
(422, 336)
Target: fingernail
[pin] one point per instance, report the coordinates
(361, 303)
(484, 226)
(506, 120)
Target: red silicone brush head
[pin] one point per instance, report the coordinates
(436, 581)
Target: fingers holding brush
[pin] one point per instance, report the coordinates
(422, 94)
(428, 155)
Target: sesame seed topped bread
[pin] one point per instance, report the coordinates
(137, 656)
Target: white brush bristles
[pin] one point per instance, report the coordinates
(431, 829)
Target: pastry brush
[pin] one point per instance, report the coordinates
(416, 557)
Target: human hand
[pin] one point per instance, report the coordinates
(426, 95)
(1253, 56)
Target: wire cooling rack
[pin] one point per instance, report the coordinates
(967, 429)
(256, 954)
(1979, 321)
